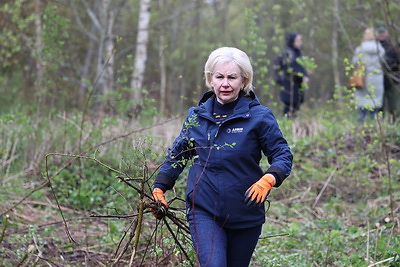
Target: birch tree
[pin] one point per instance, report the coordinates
(140, 54)
(109, 46)
(38, 49)
(335, 52)
(163, 74)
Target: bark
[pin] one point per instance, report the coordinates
(103, 23)
(141, 53)
(335, 49)
(38, 51)
(84, 75)
(109, 57)
(163, 74)
(101, 20)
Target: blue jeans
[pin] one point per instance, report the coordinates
(218, 246)
(364, 112)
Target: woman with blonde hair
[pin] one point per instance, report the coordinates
(369, 53)
(224, 138)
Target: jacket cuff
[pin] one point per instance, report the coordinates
(164, 182)
(160, 186)
(278, 174)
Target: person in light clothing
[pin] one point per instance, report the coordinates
(369, 53)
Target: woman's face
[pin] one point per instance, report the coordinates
(369, 35)
(298, 41)
(227, 82)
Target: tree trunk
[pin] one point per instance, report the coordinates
(84, 75)
(335, 51)
(99, 85)
(105, 60)
(109, 56)
(38, 53)
(163, 71)
(141, 54)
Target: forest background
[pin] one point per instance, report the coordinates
(93, 92)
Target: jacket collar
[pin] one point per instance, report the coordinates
(243, 106)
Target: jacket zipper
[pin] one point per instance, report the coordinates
(219, 125)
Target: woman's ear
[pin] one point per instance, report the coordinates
(245, 82)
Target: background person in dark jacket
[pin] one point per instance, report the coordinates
(290, 74)
(223, 139)
(391, 67)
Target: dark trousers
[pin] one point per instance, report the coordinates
(290, 110)
(292, 97)
(217, 246)
(391, 101)
(364, 112)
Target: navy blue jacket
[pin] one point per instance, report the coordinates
(289, 73)
(225, 159)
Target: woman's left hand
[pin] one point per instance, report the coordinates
(257, 193)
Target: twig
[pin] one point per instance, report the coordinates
(178, 222)
(58, 204)
(271, 236)
(33, 202)
(368, 240)
(304, 217)
(177, 242)
(133, 229)
(140, 215)
(380, 262)
(126, 181)
(324, 187)
(28, 251)
(12, 156)
(114, 216)
(4, 228)
(43, 185)
(138, 231)
(148, 244)
(85, 157)
(133, 132)
(49, 262)
(37, 248)
(328, 249)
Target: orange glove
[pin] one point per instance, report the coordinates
(257, 193)
(158, 196)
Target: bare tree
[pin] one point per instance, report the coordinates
(163, 74)
(109, 47)
(101, 33)
(141, 53)
(38, 49)
(335, 52)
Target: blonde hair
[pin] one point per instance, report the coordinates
(369, 34)
(230, 54)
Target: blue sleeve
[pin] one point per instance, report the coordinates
(279, 72)
(289, 65)
(298, 68)
(175, 161)
(276, 149)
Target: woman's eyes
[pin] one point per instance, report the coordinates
(229, 77)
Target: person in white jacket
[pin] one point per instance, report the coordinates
(370, 53)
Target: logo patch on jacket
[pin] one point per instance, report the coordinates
(234, 130)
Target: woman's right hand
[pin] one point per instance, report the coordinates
(158, 196)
